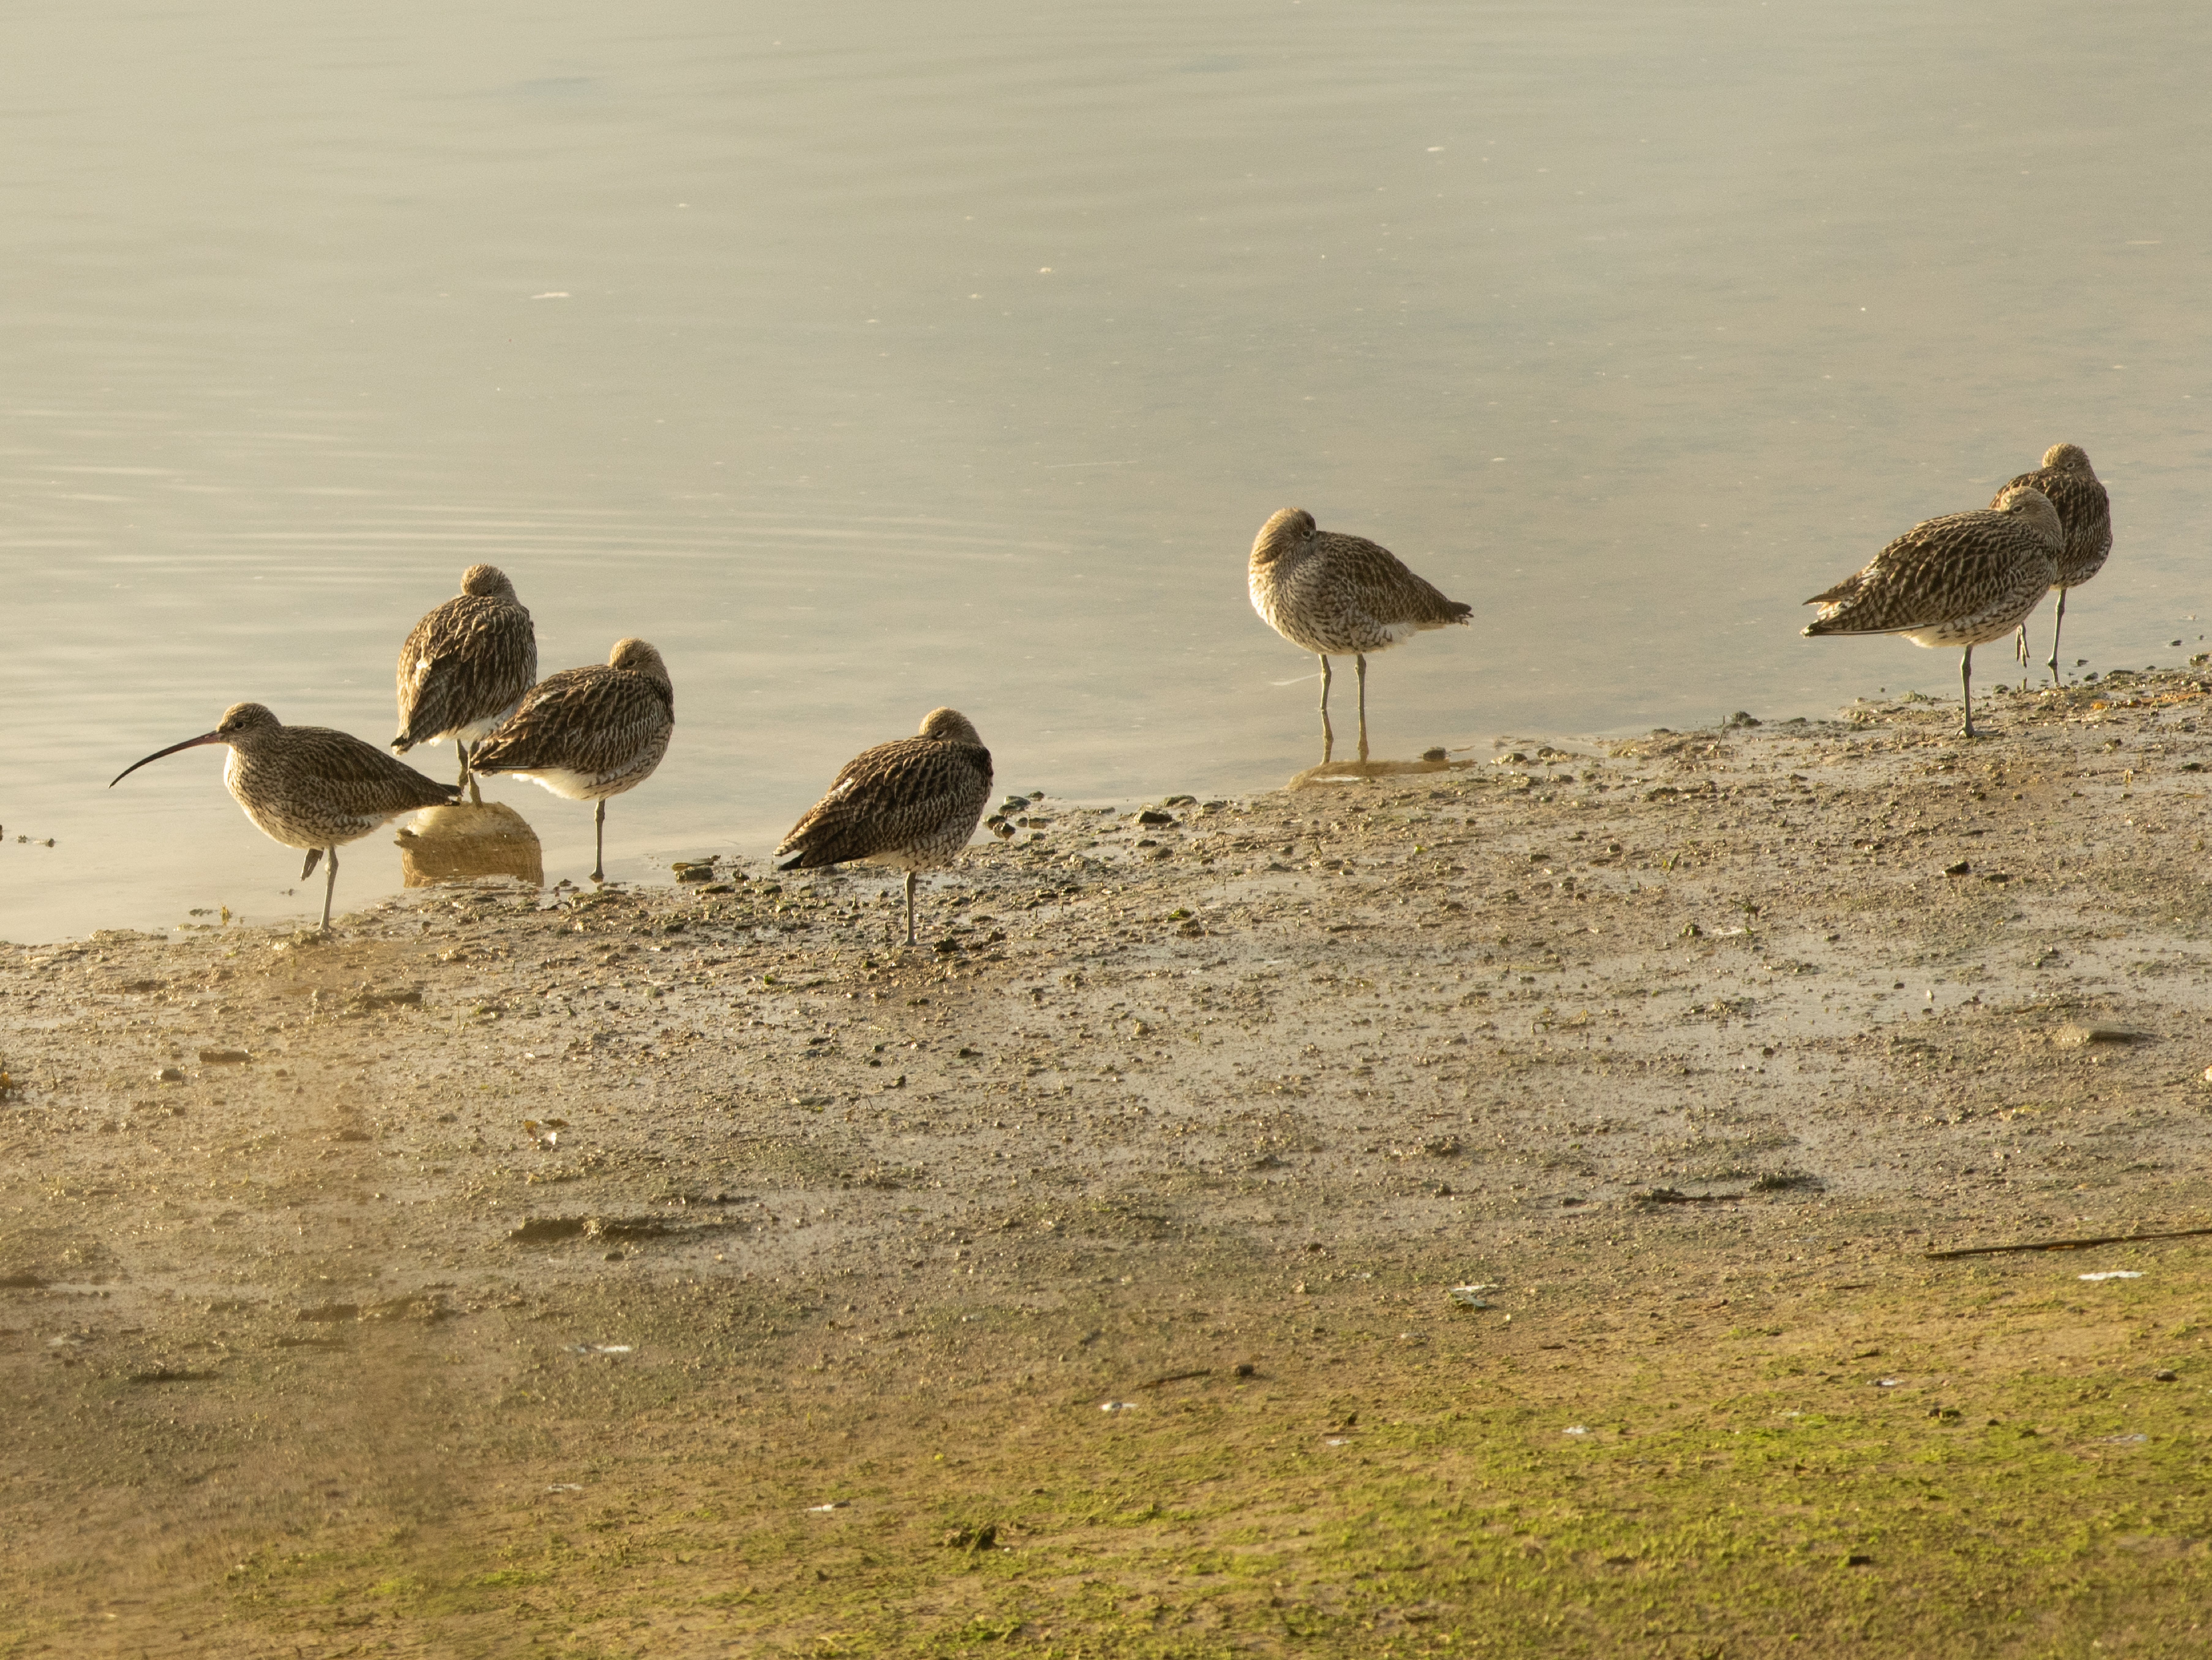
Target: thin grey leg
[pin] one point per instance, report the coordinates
(599, 843)
(468, 776)
(330, 886)
(909, 907)
(2057, 622)
(1328, 737)
(1361, 659)
(1966, 689)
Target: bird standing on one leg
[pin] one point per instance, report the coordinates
(589, 733)
(2085, 514)
(1334, 593)
(310, 787)
(1957, 581)
(911, 804)
(465, 666)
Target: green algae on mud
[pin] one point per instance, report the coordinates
(1974, 1460)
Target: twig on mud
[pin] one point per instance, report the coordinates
(1177, 1377)
(2065, 1244)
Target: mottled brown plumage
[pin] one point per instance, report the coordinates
(310, 787)
(912, 805)
(1956, 580)
(2085, 512)
(589, 733)
(1335, 594)
(465, 666)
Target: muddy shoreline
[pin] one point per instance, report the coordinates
(301, 1236)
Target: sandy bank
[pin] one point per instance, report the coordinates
(1789, 1003)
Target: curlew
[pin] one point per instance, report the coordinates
(2085, 514)
(1334, 593)
(589, 733)
(310, 787)
(465, 667)
(1957, 581)
(911, 804)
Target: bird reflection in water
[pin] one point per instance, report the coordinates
(1350, 772)
(465, 841)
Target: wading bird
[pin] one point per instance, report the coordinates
(2084, 512)
(1960, 580)
(310, 787)
(911, 804)
(465, 666)
(1334, 593)
(589, 733)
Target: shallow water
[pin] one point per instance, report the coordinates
(866, 361)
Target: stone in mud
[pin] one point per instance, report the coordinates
(461, 842)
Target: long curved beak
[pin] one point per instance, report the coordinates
(189, 743)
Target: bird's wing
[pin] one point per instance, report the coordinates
(1936, 571)
(590, 719)
(356, 777)
(889, 797)
(1381, 583)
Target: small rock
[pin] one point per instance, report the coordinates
(168, 1075)
(1962, 868)
(223, 1057)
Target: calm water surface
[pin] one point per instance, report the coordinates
(865, 359)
